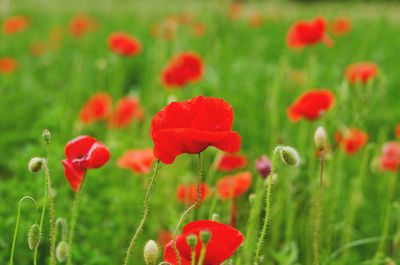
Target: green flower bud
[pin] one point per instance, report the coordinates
(289, 155)
(35, 164)
(205, 236)
(46, 135)
(320, 138)
(62, 251)
(191, 240)
(151, 252)
(34, 236)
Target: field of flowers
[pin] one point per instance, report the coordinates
(116, 115)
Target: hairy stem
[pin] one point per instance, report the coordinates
(52, 239)
(318, 218)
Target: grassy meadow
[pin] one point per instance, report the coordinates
(252, 69)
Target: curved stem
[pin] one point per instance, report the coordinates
(318, 219)
(146, 210)
(64, 229)
(52, 240)
(266, 219)
(195, 205)
(73, 220)
(17, 225)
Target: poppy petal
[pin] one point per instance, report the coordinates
(73, 173)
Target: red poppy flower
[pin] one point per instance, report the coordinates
(164, 237)
(191, 126)
(198, 29)
(127, 109)
(188, 193)
(222, 245)
(123, 44)
(37, 49)
(186, 67)
(308, 33)
(98, 107)
(137, 160)
(351, 140)
(390, 158)
(234, 186)
(7, 65)
(82, 24)
(362, 72)
(311, 105)
(235, 11)
(83, 152)
(12, 25)
(397, 131)
(229, 162)
(341, 26)
(256, 20)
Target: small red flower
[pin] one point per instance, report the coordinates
(311, 105)
(137, 160)
(12, 25)
(165, 30)
(341, 26)
(361, 72)
(198, 29)
(390, 158)
(351, 140)
(397, 131)
(188, 193)
(191, 126)
(37, 49)
(222, 245)
(82, 24)
(234, 186)
(182, 69)
(308, 33)
(7, 65)
(83, 152)
(230, 162)
(235, 11)
(256, 20)
(98, 107)
(127, 109)
(164, 237)
(123, 44)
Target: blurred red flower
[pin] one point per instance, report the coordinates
(164, 237)
(341, 26)
(127, 109)
(37, 49)
(390, 158)
(191, 126)
(362, 72)
(233, 186)
(235, 11)
(187, 193)
(56, 34)
(397, 131)
(184, 68)
(351, 140)
(83, 152)
(230, 162)
(165, 30)
(139, 161)
(199, 29)
(81, 24)
(308, 33)
(222, 245)
(12, 25)
(98, 107)
(7, 65)
(311, 105)
(123, 44)
(256, 20)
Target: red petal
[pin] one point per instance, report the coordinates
(73, 173)
(79, 146)
(97, 156)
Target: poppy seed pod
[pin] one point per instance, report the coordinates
(320, 138)
(62, 251)
(35, 164)
(205, 236)
(46, 135)
(34, 236)
(289, 155)
(191, 240)
(151, 252)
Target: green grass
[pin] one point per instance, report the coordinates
(247, 67)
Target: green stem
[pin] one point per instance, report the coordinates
(318, 218)
(193, 261)
(52, 240)
(42, 217)
(17, 225)
(146, 210)
(202, 254)
(64, 229)
(195, 205)
(266, 219)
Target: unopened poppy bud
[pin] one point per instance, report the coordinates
(151, 252)
(263, 165)
(34, 236)
(62, 251)
(289, 156)
(35, 164)
(46, 135)
(320, 138)
(215, 217)
(205, 236)
(191, 240)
